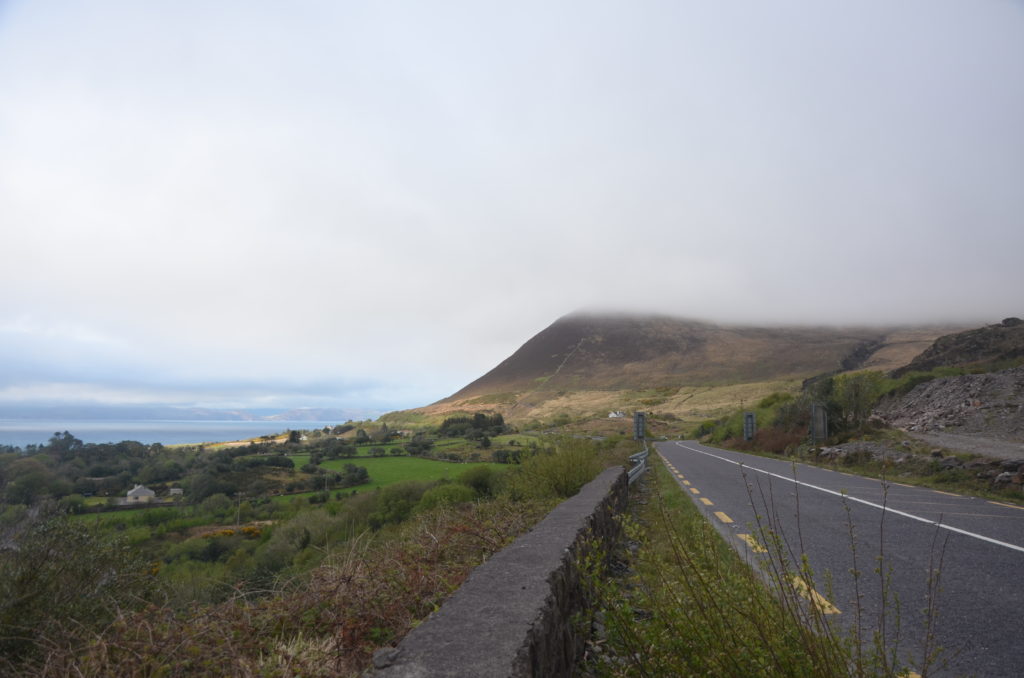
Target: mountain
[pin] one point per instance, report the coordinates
(982, 348)
(586, 365)
(88, 412)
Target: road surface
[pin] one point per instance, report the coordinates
(975, 545)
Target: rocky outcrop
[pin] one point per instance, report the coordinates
(990, 405)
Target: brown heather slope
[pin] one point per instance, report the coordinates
(588, 352)
(584, 365)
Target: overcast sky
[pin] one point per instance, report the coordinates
(369, 204)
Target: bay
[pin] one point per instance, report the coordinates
(26, 432)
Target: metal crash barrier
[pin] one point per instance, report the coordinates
(639, 461)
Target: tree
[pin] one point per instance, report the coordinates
(857, 394)
(382, 434)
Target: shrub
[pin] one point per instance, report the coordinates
(49, 563)
(396, 502)
(559, 472)
(448, 494)
(483, 480)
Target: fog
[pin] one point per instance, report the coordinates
(369, 205)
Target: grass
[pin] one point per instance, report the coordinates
(387, 470)
(695, 608)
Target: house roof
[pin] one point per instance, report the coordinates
(141, 491)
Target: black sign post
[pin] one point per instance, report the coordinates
(639, 424)
(749, 425)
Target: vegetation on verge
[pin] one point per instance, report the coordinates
(692, 607)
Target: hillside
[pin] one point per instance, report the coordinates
(988, 406)
(585, 365)
(979, 347)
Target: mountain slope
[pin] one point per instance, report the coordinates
(977, 347)
(584, 365)
(581, 352)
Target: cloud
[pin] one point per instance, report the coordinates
(391, 198)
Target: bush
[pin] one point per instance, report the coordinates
(482, 479)
(396, 502)
(59, 580)
(559, 472)
(448, 494)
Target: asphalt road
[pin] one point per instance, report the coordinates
(838, 519)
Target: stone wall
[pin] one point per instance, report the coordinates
(512, 616)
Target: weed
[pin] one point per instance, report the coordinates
(694, 607)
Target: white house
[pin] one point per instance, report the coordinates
(140, 494)
(616, 415)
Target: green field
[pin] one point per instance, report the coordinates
(387, 470)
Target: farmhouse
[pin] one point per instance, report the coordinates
(140, 494)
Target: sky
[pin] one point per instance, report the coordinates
(370, 204)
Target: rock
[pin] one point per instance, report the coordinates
(1012, 465)
(950, 462)
(385, 657)
(1003, 478)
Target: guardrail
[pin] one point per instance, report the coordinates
(639, 464)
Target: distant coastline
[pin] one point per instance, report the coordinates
(23, 432)
(88, 412)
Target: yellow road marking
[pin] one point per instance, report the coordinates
(686, 482)
(694, 490)
(706, 501)
(902, 484)
(752, 543)
(999, 503)
(910, 674)
(948, 494)
(810, 594)
(724, 518)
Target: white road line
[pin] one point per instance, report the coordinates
(862, 501)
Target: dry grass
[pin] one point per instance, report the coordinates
(902, 346)
(688, 404)
(368, 594)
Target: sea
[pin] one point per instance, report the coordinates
(21, 433)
